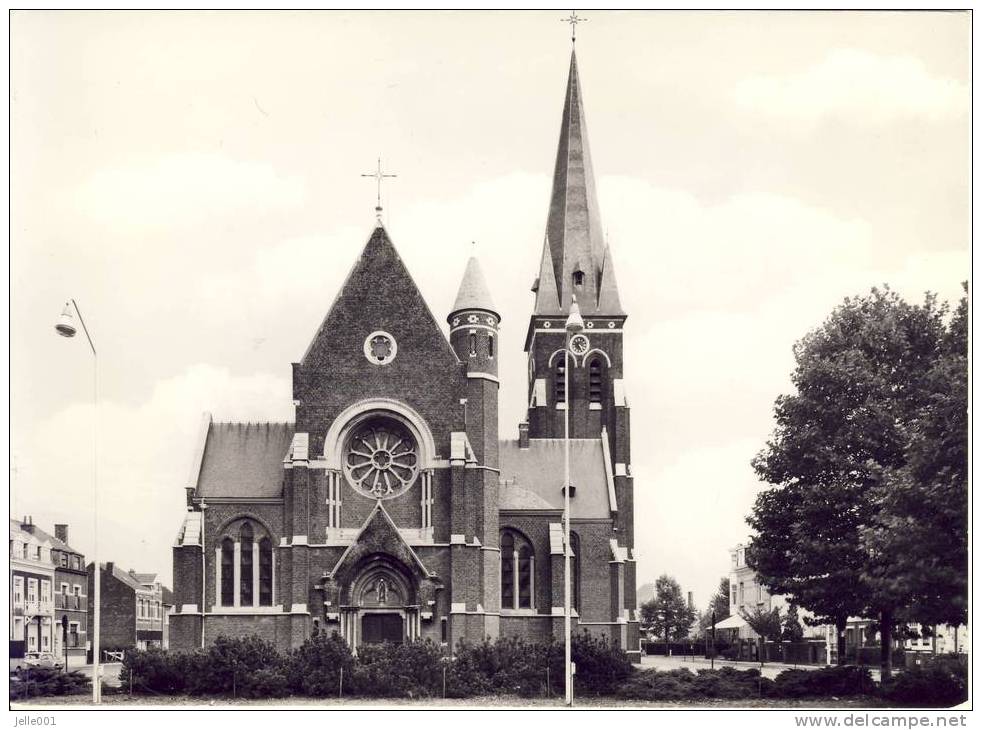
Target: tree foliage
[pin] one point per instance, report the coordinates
(868, 458)
(791, 629)
(766, 623)
(720, 603)
(668, 614)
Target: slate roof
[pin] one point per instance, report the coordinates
(125, 577)
(532, 478)
(473, 292)
(244, 460)
(56, 544)
(574, 233)
(166, 596)
(146, 578)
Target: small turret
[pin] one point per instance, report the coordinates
(474, 323)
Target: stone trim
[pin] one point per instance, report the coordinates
(620, 394)
(189, 608)
(621, 470)
(484, 376)
(611, 491)
(458, 539)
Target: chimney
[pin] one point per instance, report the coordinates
(61, 532)
(28, 524)
(108, 566)
(523, 435)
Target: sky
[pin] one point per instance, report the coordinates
(192, 179)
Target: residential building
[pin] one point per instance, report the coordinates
(70, 595)
(32, 579)
(131, 609)
(391, 509)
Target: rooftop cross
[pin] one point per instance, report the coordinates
(379, 176)
(573, 19)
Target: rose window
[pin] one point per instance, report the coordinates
(381, 459)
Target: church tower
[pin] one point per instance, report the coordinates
(577, 262)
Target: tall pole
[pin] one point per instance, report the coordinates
(574, 324)
(66, 328)
(567, 622)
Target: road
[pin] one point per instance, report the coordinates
(694, 664)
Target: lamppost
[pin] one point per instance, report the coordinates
(574, 325)
(66, 328)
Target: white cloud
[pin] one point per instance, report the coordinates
(858, 85)
(185, 189)
(145, 452)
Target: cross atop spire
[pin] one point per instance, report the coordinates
(379, 176)
(573, 19)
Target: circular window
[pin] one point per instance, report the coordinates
(380, 348)
(381, 459)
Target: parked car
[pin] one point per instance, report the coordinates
(40, 659)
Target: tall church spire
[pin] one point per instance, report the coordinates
(573, 232)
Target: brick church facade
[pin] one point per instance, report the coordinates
(390, 509)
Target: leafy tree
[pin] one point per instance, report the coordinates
(791, 625)
(765, 623)
(854, 455)
(668, 614)
(919, 540)
(720, 603)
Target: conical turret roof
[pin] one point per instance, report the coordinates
(473, 292)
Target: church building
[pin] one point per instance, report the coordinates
(391, 509)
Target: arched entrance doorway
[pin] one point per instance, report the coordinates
(382, 604)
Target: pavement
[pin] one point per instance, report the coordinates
(694, 664)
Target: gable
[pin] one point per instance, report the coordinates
(378, 294)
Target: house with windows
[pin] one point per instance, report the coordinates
(748, 594)
(70, 596)
(390, 508)
(32, 580)
(130, 606)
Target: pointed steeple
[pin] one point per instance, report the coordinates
(609, 301)
(573, 231)
(546, 294)
(473, 292)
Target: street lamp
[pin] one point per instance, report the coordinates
(574, 324)
(66, 328)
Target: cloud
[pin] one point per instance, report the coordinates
(145, 452)
(857, 85)
(184, 190)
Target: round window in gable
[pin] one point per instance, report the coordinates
(380, 348)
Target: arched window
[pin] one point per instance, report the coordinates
(559, 380)
(265, 572)
(473, 344)
(490, 345)
(507, 570)
(596, 380)
(577, 278)
(245, 565)
(574, 570)
(517, 571)
(228, 572)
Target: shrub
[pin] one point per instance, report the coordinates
(265, 683)
(827, 682)
(600, 668)
(399, 670)
(222, 668)
(650, 684)
(47, 681)
(468, 672)
(153, 671)
(682, 684)
(940, 683)
(316, 668)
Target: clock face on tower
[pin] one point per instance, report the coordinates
(579, 344)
